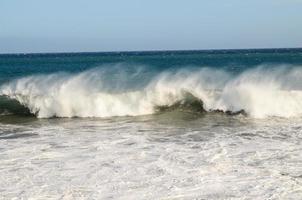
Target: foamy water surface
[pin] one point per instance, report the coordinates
(167, 156)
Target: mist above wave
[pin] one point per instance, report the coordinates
(121, 91)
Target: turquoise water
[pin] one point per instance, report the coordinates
(151, 125)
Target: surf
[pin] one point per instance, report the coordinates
(259, 92)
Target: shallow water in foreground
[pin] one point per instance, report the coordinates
(174, 155)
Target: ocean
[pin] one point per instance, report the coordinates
(220, 124)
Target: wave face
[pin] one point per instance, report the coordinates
(10, 106)
(117, 91)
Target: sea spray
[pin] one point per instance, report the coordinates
(103, 92)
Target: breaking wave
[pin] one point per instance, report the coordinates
(117, 91)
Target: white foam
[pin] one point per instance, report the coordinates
(261, 92)
(213, 157)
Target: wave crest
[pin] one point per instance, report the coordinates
(259, 92)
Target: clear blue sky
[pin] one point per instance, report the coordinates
(112, 25)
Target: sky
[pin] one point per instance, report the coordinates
(35, 26)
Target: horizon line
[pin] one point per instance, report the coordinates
(155, 50)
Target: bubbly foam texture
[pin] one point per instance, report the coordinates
(261, 92)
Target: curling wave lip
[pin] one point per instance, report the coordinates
(257, 93)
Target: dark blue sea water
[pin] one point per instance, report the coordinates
(223, 124)
(18, 65)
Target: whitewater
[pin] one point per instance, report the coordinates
(260, 92)
(152, 125)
